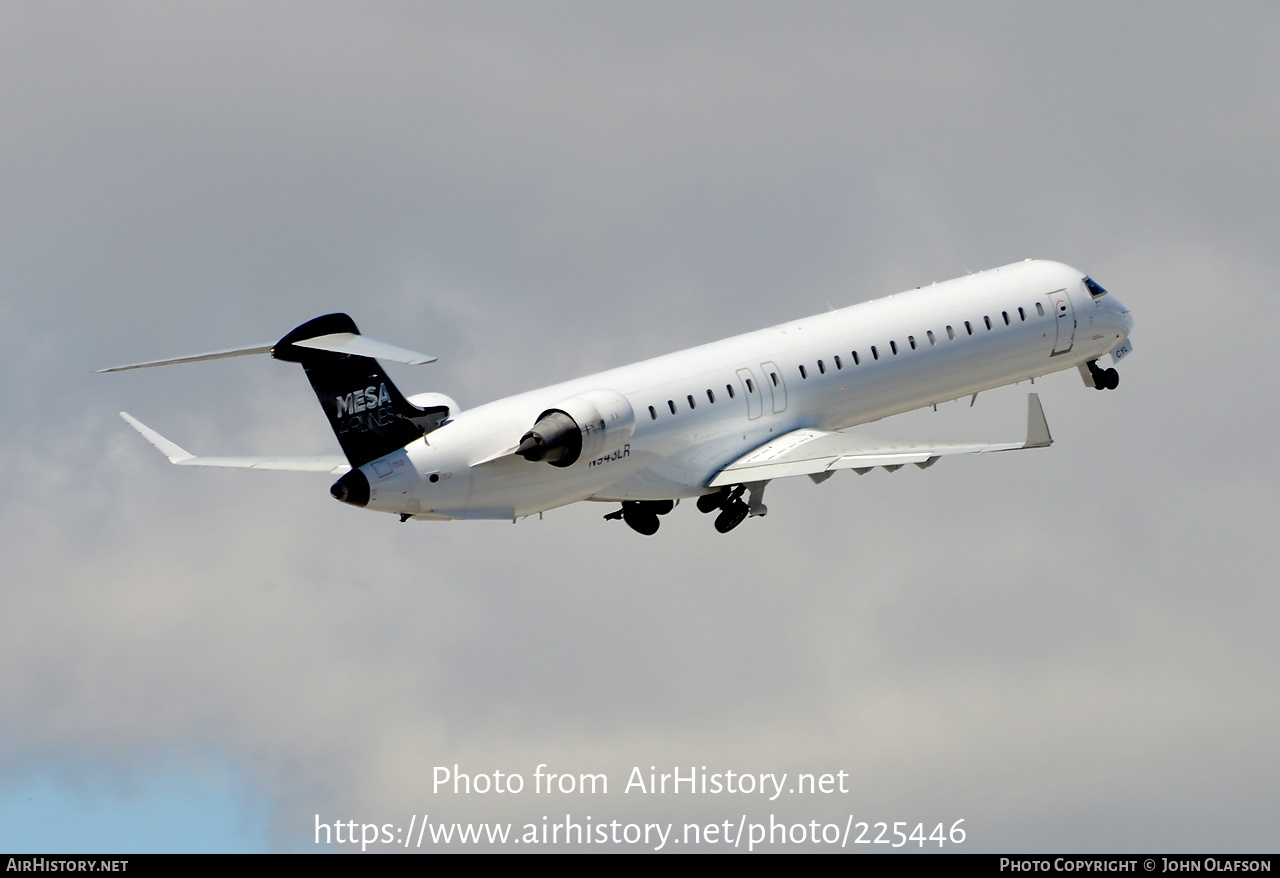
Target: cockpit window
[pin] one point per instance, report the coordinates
(1095, 289)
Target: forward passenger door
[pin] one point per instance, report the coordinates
(1065, 318)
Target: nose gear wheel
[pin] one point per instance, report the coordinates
(1103, 379)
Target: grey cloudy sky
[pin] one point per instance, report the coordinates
(1071, 649)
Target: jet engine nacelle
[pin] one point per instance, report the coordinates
(583, 427)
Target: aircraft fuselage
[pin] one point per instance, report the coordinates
(695, 411)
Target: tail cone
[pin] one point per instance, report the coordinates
(352, 488)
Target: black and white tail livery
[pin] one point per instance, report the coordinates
(369, 415)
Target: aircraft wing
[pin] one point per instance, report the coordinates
(177, 454)
(816, 452)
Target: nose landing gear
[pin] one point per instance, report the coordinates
(1103, 379)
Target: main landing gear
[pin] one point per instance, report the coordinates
(733, 510)
(1103, 379)
(642, 515)
(729, 501)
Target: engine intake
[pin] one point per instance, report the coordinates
(583, 427)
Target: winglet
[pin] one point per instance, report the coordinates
(1037, 427)
(171, 450)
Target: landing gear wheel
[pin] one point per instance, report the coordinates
(642, 522)
(712, 502)
(642, 515)
(732, 516)
(1111, 379)
(1098, 375)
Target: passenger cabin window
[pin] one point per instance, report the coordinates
(751, 388)
(1039, 309)
(653, 414)
(692, 404)
(875, 354)
(839, 365)
(711, 397)
(856, 361)
(968, 327)
(822, 369)
(1006, 317)
(671, 404)
(987, 320)
(729, 389)
(893, 346)
(803, 373)
(1022, 314)
(774, 377)
(911, 340)
(932, 340)
(951, 333)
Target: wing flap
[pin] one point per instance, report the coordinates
(812, 452)
(178, 455)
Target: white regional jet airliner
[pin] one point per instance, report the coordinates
(715, 422)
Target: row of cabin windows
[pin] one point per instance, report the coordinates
(911, 340)
(857, 361)
(693, 404)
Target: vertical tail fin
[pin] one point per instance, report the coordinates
(368, 413)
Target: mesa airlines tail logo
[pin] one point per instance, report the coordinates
(363, 410)
(362, 400)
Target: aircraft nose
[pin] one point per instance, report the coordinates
(1123, 317)
(1116, 315)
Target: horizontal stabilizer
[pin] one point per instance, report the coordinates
(195, 358)
(811, 452)
(362, 346)
(179, 455)
(336, 342)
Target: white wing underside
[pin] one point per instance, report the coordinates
(335, 464)
(814, 452)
